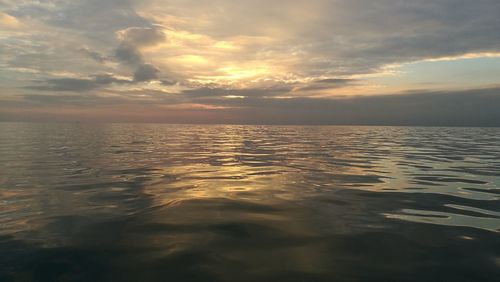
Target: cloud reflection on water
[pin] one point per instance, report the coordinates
(225, 203)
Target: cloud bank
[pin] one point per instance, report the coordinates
(318, 61)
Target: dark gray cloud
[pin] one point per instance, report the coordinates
(131, 56)
(145, 72)
(93, 16)
(77, 84)
(94, 23)
(128, 54)
(330, 83)
(80, 100)
(140, 36)
(336, 81)
(64, 100)
(168, 82)
(134, 38)
(477, 107)
(98, 57)
(106, 98)
(366, 35)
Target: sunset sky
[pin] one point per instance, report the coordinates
(426, 62)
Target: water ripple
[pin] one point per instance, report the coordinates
(301, 203)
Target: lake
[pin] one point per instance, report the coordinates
(155, 202)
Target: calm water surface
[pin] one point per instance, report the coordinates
(143, 202)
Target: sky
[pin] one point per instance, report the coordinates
(373, 62)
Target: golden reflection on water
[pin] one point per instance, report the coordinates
(272, 199)
(69, 167)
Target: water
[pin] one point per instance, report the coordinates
(136, 202)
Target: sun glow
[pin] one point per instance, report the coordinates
(235, 76)
(190, 60)
(237, 73)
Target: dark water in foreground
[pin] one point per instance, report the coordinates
(248, 203)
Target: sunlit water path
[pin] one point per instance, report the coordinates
(146, 202)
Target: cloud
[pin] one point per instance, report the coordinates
(132, 39)
(369, 34)
(329, 83)
(128, 54)
(305, 39)
(8, 21)
(146, 72)
(98, 57)
(90, 16)
(141, 37)
(475, 107)
(129, 51)
(320, 38)
(222, 92)
(132, 56)
(343, 33)
(84, 100)
(55, 27)
(336, 81)
(256, 51)
(77, 84)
